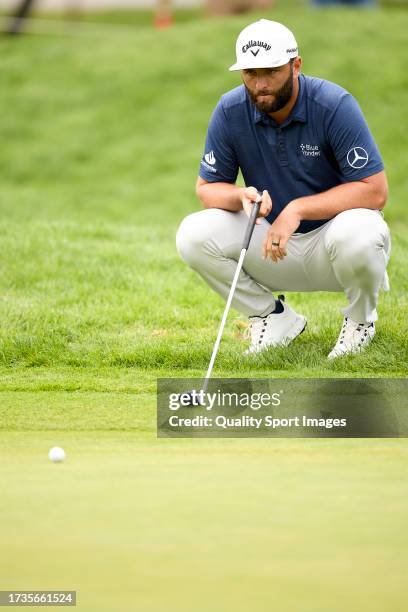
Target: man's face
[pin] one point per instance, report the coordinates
(269, 88)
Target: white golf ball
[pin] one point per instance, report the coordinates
(56, 454)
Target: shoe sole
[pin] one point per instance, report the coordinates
(298, 331)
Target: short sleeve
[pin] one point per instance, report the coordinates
(219, 162)
(352, 142)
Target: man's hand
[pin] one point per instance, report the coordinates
(280, 232)
(249, 195)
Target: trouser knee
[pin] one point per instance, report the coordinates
(190, 239)
(359, 246)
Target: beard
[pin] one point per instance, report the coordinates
(281, 97)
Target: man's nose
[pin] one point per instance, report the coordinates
(262, 83)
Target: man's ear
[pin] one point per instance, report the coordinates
(297, 65)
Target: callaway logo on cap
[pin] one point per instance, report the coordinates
(264, 44)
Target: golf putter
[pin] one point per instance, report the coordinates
(247, 239)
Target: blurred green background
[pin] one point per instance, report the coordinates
(102, 131)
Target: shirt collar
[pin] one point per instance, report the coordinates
(298, 113)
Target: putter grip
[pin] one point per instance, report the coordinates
(251, 224)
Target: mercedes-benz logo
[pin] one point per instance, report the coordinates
(357, 157)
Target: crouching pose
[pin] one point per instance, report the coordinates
(304, 143)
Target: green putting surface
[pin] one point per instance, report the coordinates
(131, 522)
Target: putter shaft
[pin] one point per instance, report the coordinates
(247, 239)
(224, 319)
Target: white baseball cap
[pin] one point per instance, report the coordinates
(264, 44)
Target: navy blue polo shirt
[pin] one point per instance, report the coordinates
(324, 142)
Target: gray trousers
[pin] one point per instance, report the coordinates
(348, 253)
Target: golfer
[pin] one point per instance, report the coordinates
(304, 144)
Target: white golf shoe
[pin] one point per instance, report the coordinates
(354, 338)
(276, 329)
